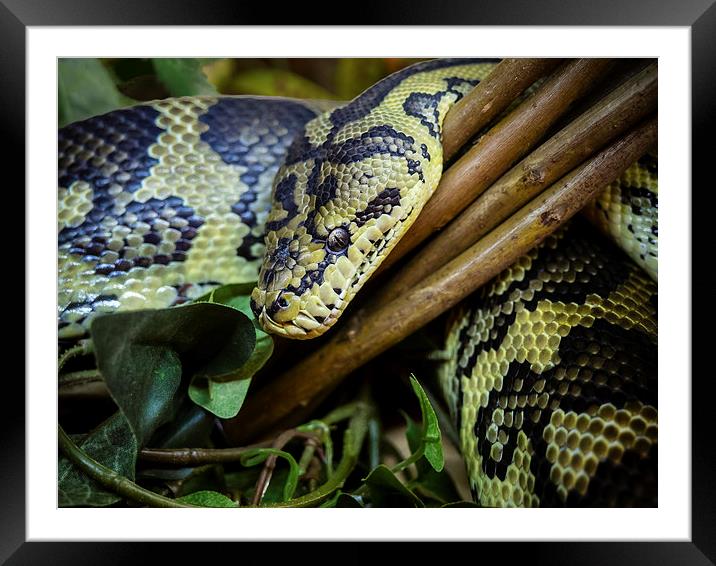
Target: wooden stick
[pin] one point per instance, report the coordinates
(620, 110)
(490, 97)
(294, 394)
(497, 150)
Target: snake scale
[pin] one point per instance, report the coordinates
(551, 373)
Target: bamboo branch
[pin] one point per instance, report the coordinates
(369, 332)
(499, 148)
(612, 116)
(490, 97)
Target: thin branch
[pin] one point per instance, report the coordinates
(197, 456)
(489, 98)
(499, 148)
(370, 331)
(620, 110)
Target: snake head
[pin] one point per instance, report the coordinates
(338, 208)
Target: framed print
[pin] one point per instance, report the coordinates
(235, 139)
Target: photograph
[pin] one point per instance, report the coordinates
(357, 282)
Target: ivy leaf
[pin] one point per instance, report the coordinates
(147, 388)
(112, 444)
(386, 490)
(183, 77)
(224, 395)
(207, 499)
(143, 355)
(238, 296)
(191, 426)
(85, 89)
(431, 436)
(223, 398)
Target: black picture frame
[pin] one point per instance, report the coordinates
(699, 15)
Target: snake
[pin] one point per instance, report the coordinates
(161, 201)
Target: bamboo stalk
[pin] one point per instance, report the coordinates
(612, 116)
(490, 97)
(498, 149)
(369, 332)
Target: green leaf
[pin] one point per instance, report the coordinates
(147, 388)
(112, 444)
(183, 77)
(238, 296)
(431, 430)
(277, 82)
(224, 395)
(386, 490)
(143, 355)
(191, 426)
(224, 294)
(85, 89)
(258, 455)
(429, 483)
(207, 499)
(222, 398)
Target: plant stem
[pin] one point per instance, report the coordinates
(197, 456)
(83, 347)
(499, 148)
(371, 331)
(352, 442)
(77, 378)
(109, 479)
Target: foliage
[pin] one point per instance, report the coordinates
(85, 88)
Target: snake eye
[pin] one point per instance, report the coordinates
(338, 240)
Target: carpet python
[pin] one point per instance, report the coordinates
(159, 202)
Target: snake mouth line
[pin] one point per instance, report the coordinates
(305, 324)
(311, 320)
(293, 329)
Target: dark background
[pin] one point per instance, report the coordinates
(699, 14)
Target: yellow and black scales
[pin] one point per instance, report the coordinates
(552, 379)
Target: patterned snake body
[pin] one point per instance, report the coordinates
(551, 378)
(162, 201)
